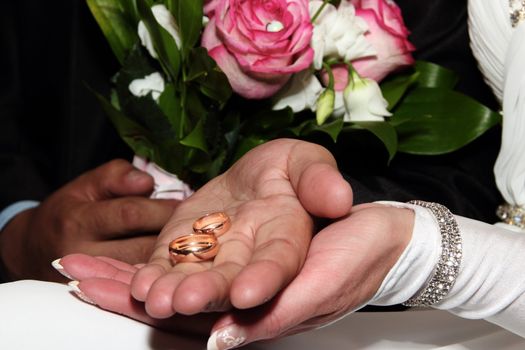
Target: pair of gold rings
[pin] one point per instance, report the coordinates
(202, 244)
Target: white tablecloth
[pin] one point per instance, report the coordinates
(42, 315)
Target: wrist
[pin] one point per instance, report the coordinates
(12, 238)
(416, 263)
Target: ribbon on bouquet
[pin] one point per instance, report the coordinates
(166, 185)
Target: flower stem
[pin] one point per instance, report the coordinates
(319, 10)
(331, 80)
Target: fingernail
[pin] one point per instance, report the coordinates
(136, 175)
(226, 338)
(79, 293)
(57, 266)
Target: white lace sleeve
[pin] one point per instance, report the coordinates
(490, 284)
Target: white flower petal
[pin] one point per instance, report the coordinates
(153, 83)
(145, 39)
(165, 19)
(339, 33)
(300, 93)
(364, 101)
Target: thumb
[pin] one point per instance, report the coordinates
(288, 313)
(319, 185)
(114, 179)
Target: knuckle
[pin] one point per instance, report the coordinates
(274, 327)
(107, 172)
(117, 163)
(65, 218)
(130, 212)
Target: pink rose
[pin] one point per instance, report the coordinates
(259, 44)
(388, 35)
(209, 7)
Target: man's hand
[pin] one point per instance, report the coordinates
(103, 212)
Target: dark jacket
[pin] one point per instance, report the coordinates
(52, 128)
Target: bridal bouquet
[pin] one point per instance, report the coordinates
(204, 81)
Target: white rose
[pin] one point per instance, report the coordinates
(338, 33)
(166, 21)
(153, 83)
(364, 101)
(300, 93)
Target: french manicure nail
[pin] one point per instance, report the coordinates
(79, 293)
(57, 266)
(226, 338)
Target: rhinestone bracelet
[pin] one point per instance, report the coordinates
(512, 215)
(447, 269)
(517, 12)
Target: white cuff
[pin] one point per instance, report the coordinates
(13, 210)
(415, 265)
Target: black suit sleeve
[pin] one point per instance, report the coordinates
(19, 174)
(51, 126)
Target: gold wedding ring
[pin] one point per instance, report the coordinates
(194, 248)
(212, 224)
(202, 244)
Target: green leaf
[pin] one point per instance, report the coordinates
(130, 8)
(136, 137)
(394, 89)
(143, 110)
(216, 165)
(310, 126)
(436, 121)
(170, 105)
(211, 81)
(165, 46)
(267, 121)
(118, 25)
(434, 76)
(246, 144)
(384, 131)
(188, 15)
(196, 138)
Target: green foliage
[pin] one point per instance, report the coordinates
(198, 127)
(436, 121)
(164, 44)
(116, 19)
(385, 132)
(434, 76)
(188, 15)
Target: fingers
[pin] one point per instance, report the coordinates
(114, 296)
(280, 249)
(122, 217)
(81, 266)
(258, 256)
(113, 179)
(341, 272)
(318, 183)
(298, 303)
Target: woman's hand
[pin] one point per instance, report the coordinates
(267, 243)
(346, 263)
